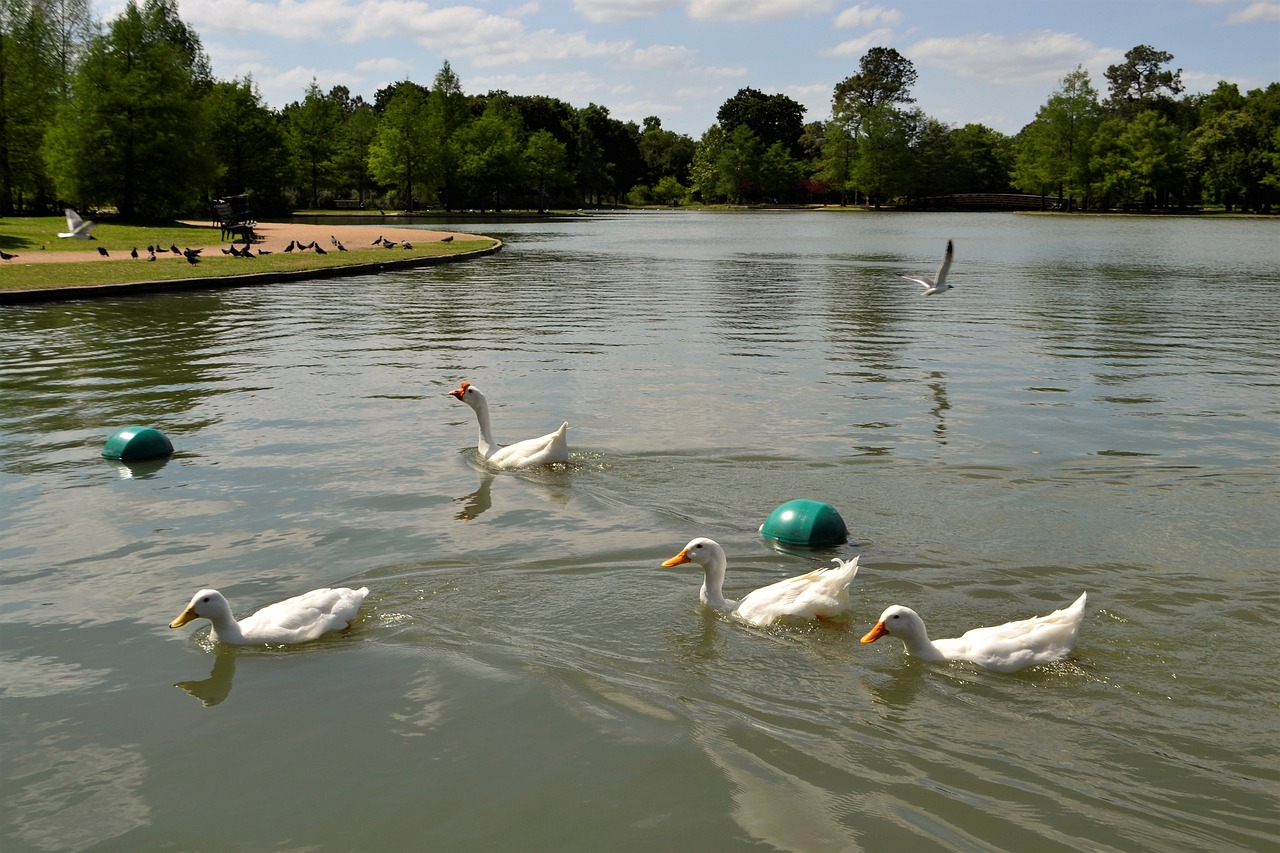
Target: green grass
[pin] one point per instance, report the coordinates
(26, 236)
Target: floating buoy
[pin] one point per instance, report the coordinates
(805, 522)
(137, 442)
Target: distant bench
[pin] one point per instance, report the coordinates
(348, 203)
(233, 223)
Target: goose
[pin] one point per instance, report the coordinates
(77, 228)
(820, 594)
(938, 285)
(1004, 648)
(295, 620)
(552, 447)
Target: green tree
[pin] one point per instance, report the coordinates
(665, 153)
(772, 118)
(1053, 154)
(838, 154)
(447, 114)
(251, 153)
(492, 156)
(780, 173)
(884, 78)
(355, 136)
(398, 154)
(137, 113)
(882, 168)
(72, 27)
(981, 160)
(546, 164)
(1228, 154)
(669, 191)
(312, 136)
(739, 165)
(29, 94)
(704, 173)
(1138, 162)
(1141, 82)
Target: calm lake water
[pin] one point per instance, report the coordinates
(1094, 407)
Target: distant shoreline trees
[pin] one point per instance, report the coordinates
(127, 116)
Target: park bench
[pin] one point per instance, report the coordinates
(233, 217)
(348, 203)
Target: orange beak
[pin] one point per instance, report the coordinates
(682, 557)
(875, 633)
(184, 617)
(460, 390)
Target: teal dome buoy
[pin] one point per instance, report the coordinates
(137, 442)
(805, 522)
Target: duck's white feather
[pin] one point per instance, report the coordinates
(820, 594)
(295, 620)
(1004, 648)
(532, 452)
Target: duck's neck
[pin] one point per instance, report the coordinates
(712, 583)
(920, 646)
(486, 445)
(226, 630)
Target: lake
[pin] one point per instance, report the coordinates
(1093, 407)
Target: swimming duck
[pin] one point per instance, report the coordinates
(939, 284)
(820, 594)
(1003, 648)
(552, 447)
(295, 620)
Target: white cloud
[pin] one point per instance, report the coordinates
(1259, 12)
(612, 11)
(663, 56)
(384, 65)
(857, 47)
(1040, 57)
(863, 15)
(755, 10)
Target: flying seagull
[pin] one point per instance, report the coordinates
(77, 228)
(938, 285)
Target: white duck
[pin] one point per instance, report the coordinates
(939, 284)
(552, 447)
(820, 594)
(77, 228)
(295, 620)
(1003, 648)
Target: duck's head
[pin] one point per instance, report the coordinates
(467, 393)
(705, 552)
(898, 621)
(205, 604)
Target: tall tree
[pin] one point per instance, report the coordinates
(251, 152)
(447, 114)
(835, 164)
(312, 135)
(399, 153)
(1141, 82)
(884, 77)
(1054, 152)
(665, 152)
(546, 164)
(137, 112)
(73, 26)
(1140, 161)
(492, 158)
(772, 118)
(882, 168)
(29, 94)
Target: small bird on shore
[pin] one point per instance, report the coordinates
(338, 243)
(448, 239)
(174, 248)
(319, 249)
(77, 228)
(103, 252)
(292, 243)
(151, 255)
(264, 252)
(233, 250)
(134, 254)
(333, 241)
(939, 284)
(376, 242)
(192, 253)
(193, 259)
(6, 256)
(406, 244)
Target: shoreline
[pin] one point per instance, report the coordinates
(272, 236)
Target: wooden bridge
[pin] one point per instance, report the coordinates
(995, 201)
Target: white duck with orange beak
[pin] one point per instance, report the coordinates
(530, 453)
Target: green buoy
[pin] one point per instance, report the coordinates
(137, 442)
(805, 522)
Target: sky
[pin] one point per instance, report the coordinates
(992, 62)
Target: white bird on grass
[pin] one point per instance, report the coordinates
(77, 228)
(939, 284)
(295, 620)
(820, 594)
(1003, 648)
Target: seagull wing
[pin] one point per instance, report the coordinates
(946, 263)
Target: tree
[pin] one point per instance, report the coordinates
(1141, 83)
(884, 77)
(835, 165)
(72, 27)
(447, 114)
(398, 154)
(772, 118)
(780, 173)
(669, 191)
(1138, 162)
(546, 164)
(1054, 152)
(354, 137)
(704, 173)
(665, 153)
(981, 159)
(250, 153)
(882, 168)
(492, 158)
(29, 93)
(135, 134)
(311, 134)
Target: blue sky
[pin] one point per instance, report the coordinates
(988, 61)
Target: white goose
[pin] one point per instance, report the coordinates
(295, 620)
(1003, 648)
(552, 447)
(77, 228)
(939, 284)
(820, 594)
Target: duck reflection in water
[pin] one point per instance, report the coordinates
(478, 501)
(217, 687)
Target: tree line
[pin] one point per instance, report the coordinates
(127, 115)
